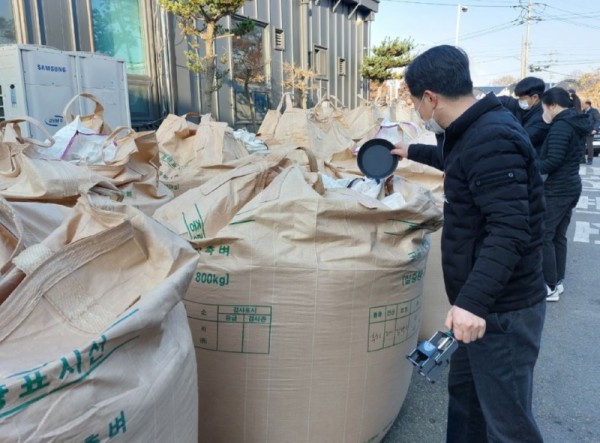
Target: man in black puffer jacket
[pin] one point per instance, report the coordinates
(491, 248)
(528, 109)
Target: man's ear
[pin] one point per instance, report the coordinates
(431, 96)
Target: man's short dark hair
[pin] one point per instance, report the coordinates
(442, 69)
(530, 86)
(588, 102)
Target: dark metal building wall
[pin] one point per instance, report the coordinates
(342, 36)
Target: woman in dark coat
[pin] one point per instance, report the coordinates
(559, 163)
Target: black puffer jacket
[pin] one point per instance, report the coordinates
(561, 152)
(492, 235)
(531, 120)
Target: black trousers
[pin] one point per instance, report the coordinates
(589, 147)
(491, 381)
(558, 218)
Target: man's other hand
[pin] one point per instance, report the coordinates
(465, 326)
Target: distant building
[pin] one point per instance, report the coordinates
(329, 36)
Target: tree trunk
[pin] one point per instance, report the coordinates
(251, 104)
(211, 67)
(304, 95)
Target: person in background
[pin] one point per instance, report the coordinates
(594, 117)
(528, 109)
(491, 248)
(559, 162)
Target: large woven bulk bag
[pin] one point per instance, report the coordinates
(94, 344)
(362, 121)
(435, 301)
(303, 306)
(134, 169)
(188, 151)
(176, 144)
(321, 129)
(25, 175)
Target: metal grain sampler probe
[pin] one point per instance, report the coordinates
(432, 356)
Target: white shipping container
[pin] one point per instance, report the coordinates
(38, 81)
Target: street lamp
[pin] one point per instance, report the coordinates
(459, 9)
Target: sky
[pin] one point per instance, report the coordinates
(564, 35)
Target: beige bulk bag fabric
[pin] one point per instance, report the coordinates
(324, 134)
(94, 344)
(134, 169)
(12, 237)
(225, 194)
(94, 121)
(303, 306)
(287, 128)
(332, 122)
(362, 121)
(26, 175)
(267, 128)
(188, 154)
(21, 226)
(176, 144)
(435, 302)
(384, 110)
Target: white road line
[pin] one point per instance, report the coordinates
(584, 230)
(579, 211)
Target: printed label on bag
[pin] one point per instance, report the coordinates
(244, 329)
(168, 160)
(215, 250)
(114, 428)
(420, 252)
(401, 227)
(211, 279)
(412, 277)
(171, 186)
(194, 224)
(393, 324)
(22, 389)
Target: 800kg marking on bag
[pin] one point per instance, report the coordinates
(212, 279)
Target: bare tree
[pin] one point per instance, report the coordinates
(206, 14)
(505, 80)
(299, 81)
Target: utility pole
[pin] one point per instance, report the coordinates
(551, 81)
(525, 47)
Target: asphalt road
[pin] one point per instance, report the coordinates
(567, 383)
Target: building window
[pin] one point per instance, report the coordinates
(7, 24)
(118, 32)
(279, 40)
(320, 62)
(249, 61)
(341, 66)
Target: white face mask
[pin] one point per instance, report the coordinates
(524, 105)
(547, 118)
(431, 124)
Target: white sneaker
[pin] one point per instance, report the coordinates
(553, 294)
(560, 287)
